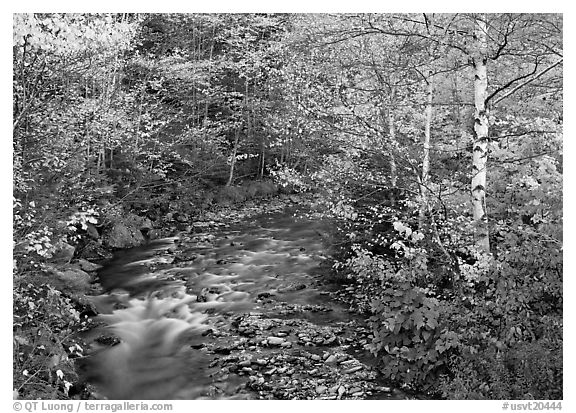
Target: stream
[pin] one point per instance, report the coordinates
(241, 309)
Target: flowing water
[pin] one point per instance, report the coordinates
(242, 310)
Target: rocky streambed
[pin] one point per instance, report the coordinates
(267, 322)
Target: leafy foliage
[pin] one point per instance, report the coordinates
(164, 115)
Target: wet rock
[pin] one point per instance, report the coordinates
(353, 369)
(321, 389)
(292, 288)
(286, 344)
(153, 234)
(122, 235)
(275, 341)
(224, 349)
(186, 256)
(348, 363)
(332, 359)
(88, 266)
(329, 341)
(265, 294)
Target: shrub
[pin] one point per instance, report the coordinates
(44, 342)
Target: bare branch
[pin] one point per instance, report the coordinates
(540, 74)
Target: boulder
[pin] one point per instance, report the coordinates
(92, 231)
(69, 279)
(88, 266)
(64, 253)
(127, 231)
(275, 341)
(94, 250)
(122, 235)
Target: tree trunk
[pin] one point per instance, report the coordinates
(262, 158)
(233, 160)
(426, 154)
(480, 148)
(393, 167)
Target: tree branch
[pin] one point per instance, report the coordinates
(520, 86)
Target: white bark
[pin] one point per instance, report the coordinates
(480, 148)
(392, 133)
(426, 154)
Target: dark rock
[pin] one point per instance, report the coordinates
(329, 341)
(123, 236)
(292, 288)
(64, 253)
(69, 278)
(88, 266)
(92, 231)
(223, 349)
(153, 234)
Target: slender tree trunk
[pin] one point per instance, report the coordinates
(207, 100)
(233, 160)
(282, 148)
(426, 154)
(392, 134)
(480, 148)
(262, 159)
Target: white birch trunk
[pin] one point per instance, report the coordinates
(426, 154)
(480, 147)
(392, 133)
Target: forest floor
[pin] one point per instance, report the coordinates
(291, 333)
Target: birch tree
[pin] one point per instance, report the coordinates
(480, 145)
